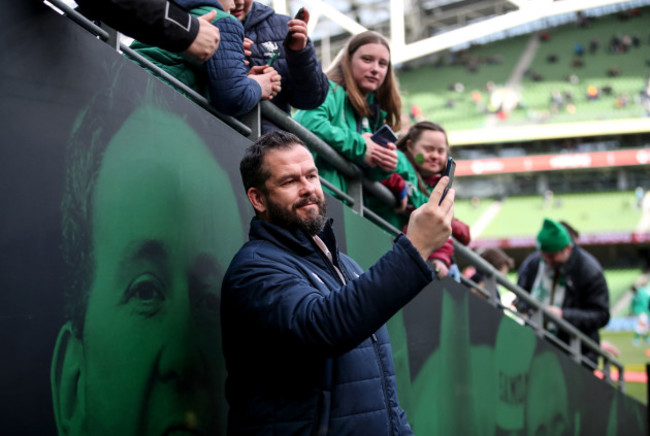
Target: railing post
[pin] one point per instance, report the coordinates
(490, 284)
(253, 120)
(113, 36)
(355, 190)
(537, 320)
(621, 378)
(576, 349)
(607, 369)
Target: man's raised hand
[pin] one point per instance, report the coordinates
(430, 224)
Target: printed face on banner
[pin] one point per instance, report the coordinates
(148, 361)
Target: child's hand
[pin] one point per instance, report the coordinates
(269, 80)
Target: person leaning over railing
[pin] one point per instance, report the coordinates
(158, 22)
(272, 36)
(363, 95)
(422, 160)
(568, 281)
(224, 79)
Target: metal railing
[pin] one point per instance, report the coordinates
(493, 277)
(539, 316)
(357, 185)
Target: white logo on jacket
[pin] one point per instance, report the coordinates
(269, 48)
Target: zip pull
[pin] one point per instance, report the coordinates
(373, 337)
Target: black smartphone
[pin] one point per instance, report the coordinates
(300, 15)
(449, 172)
(384, 135)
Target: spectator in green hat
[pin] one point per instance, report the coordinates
(568, 281)
(554, 242)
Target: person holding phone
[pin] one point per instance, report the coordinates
(229, 84)
(423, 159)
(284, 42)
(303, 334)
(363, 95)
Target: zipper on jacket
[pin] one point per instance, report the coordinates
(330, 266)
(383, 383)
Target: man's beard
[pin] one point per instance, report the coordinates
(283, 218)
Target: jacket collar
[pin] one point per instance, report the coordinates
(295, 240)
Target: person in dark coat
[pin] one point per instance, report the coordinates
(158, 22)
(230, 86)
(568, 280)
(306, 348)
(304, 85)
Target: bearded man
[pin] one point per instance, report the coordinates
(304, 339)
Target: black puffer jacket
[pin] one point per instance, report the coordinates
(586, 301)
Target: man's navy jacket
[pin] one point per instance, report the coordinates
(306, 354)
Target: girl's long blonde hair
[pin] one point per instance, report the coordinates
(387, 95)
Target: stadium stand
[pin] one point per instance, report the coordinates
(541, 77)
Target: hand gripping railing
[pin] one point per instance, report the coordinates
(356, 186)
(105, 35)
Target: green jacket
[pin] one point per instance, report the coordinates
(334, 122)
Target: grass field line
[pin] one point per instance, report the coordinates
(486, 218)
(623, 303)
(644, 222)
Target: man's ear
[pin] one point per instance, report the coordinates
(67, 382)
(257, 199)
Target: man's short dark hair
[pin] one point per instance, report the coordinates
(252, 170)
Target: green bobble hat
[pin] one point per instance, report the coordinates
(553, 237)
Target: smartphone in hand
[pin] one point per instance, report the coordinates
(449, 172)
(384, 135)
(300, 15)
